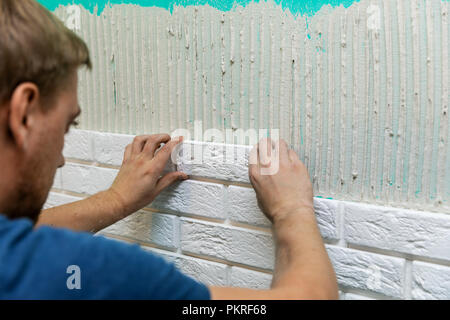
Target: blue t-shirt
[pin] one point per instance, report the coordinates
(44, 263)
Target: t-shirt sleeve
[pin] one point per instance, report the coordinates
(107, 269)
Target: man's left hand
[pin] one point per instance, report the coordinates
(139, 180)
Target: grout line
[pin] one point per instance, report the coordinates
(225, 194)
(225, 222)
(184, 215)
(375, 250)
(394, 254)
(178, 234)
(220, 181)
(136, 241)
(333, 242)
(184, 253)
(407, 280)
(425, 209)
(341, 228)
(70, 193)
(229, 263)
(250, 226)
(91, 163)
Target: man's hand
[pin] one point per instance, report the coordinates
(286, 191)
(302, 267)
(137, 184)
(139, 180)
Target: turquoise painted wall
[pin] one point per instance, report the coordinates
(302, 7)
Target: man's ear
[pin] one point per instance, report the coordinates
(23, 106)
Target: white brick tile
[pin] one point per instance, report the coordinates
(109, 148)
(243, 207)
(86, 179)
(193, 197)
(245, 278)
(102, 147)
(207, 272)
(78, 145)
(250, 247)
(420, 233)
(210, 273)
(368, 271)
(214, 160)
(55, 199)
(155, 228)
(430, 281)
(327, 216)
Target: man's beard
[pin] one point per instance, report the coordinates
(30, 195)
(27, 204)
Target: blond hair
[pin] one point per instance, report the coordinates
(35, 46)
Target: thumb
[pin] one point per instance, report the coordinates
(168, 179)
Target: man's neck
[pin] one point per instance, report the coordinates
(8, 180)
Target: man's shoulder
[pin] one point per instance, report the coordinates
(19, 234)
(42, 260)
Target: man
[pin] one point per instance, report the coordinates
(39, 60)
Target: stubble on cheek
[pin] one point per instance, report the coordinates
(36, 179)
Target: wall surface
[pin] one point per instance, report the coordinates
(361, 92)
(211, 227)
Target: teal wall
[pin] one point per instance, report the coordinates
(308, 7)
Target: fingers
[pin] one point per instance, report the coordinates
(145, 143)
(265, 151)
(253, 161)
(268, 154)
(127, 153)
(164, 153)
(138, 144)
(154, 142)
(282, 149)
(268, 149)
(293, 156)
(168, 179)
(253, 156)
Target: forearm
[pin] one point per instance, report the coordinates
(91, 214)
(302, 268)
(302, 264)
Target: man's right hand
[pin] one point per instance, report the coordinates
(302, 267)
(288, 190)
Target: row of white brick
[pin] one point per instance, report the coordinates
(191, 197)
(366, 271)
(210, 160)
(402, 236)
(408, 232)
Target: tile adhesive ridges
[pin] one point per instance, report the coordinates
(361, 92)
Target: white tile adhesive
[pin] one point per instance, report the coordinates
(361, 93)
